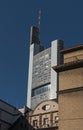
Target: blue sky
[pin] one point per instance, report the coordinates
(61, 19)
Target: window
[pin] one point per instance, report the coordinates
(46, 107)
(56, 119)
(34, 123)
(45, 121)
(40, 90)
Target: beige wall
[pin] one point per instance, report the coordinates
(71, 111)
(73, 56)
(71, 79)
(71, 102)
(71, 125)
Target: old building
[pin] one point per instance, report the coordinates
(44, 116)
(71, 89)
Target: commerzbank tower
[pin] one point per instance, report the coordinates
(42, 79)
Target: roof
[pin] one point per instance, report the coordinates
(75, 48)
(8, 104)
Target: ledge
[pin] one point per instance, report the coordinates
(71, 90)
(68, 66)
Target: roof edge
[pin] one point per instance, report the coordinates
(75, 48)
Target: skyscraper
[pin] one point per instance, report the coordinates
(42, 79)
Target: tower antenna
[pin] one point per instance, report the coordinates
(39, 19)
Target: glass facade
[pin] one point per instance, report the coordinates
(41, 68)
(41, 77)
(40, 90)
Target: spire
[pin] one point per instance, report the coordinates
(35, 31)
(39, 19)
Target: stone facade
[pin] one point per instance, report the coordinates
(45, 116)
(71, 89)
